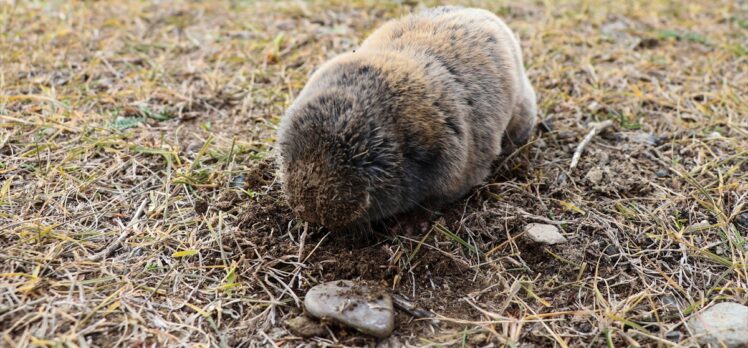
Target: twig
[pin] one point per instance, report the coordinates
(546, 220)
(409, 307)
(302, 240)
(596, 128)
(125, 231)
(270, 340)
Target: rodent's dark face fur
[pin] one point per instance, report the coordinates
(331, 159)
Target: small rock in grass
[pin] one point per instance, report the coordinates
(611, 250)
(722, 325)
(699, 226)
(546, 234)
(305, 327)
(643, 138)
(614, 27)
(742, 220)
(595, 176)
(359, 306)
(237, 181)
(674, 336)
(478, 339)
(593, 107)
(603, 158)
(661, 173)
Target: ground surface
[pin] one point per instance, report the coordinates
(138, 204)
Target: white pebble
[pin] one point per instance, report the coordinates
(546, 234)
(722, 325)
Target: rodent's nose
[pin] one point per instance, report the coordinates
(334, 213)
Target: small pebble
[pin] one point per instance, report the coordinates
(611, 250)
(742, 220)
(478, 339)
(699, 226)
(689, 117)
(595, 176)
(565, 135)
(674, 336)
(661, 173)
(546, 234)
(237, 181)
(194, 146)
(353, 304)
(643, 138)
(722, 325)
(613, 27)
(593, 107)
(603, 158)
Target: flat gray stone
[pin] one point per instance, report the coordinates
(546, 234)
(353, 304)
(722, 325)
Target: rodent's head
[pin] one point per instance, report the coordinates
(334, 158)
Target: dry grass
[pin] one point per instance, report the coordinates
(138, 207)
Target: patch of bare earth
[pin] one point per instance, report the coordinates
(139, 204)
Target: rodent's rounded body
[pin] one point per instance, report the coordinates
(414, 117)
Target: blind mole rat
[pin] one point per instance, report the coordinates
(414, 117)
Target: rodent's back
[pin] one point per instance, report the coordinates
(481, 62)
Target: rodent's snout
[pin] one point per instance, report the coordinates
(323, 192)
(338, 212)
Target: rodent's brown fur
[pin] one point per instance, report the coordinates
(414, 117)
